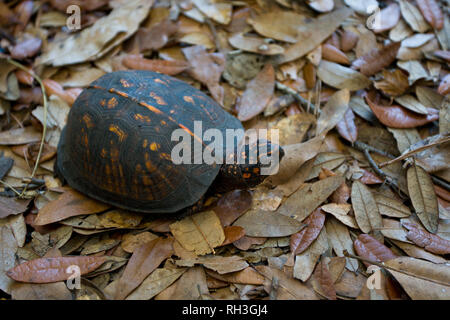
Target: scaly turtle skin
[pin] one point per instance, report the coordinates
(116, 146)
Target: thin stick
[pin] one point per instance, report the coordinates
(44, 130)
(361, 146)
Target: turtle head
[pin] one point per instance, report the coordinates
(249, 165)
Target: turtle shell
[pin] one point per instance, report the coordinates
(116, 146)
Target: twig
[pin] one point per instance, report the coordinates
(361, 146)
(44, 130)
(440, 182)
(305, 103)
(418, 149)
(366, 150)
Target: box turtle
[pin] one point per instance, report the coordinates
(116, 146)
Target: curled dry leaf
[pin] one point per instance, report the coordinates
(24, 77)
(26, 49)
(432, 13)
(257, 94)
(369, 177)
(444, 86)
(331, 53)
(170, 67)
(349, 40)
(365, 207)
(370, 248)
(300, 241)
(232, 234)
(377, 59)
(423, 197)
(395, 116)
(45, 270)
(393, 83)
(220, 12)
(426, 240)
(255, 44)
(387, 18)
(333, 111)
(321, 5)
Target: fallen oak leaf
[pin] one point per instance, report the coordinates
(331, 53)
(257, 94)
(393, 83)
(323, 277)
(387, 18)
(423, 197)
(232, 234)
(370, 248)
(169, 67)
(300, 241)
(347, 128)
(144, 261)
(46, 270)
(70, 203)
(432, 13)
(377, 59)
(426, 240)
(395, 116)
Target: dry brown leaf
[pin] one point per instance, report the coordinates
(71, 203)
(246, 276)
(325, 162)
(219, 264)
(232, 234)
(349, 40)
(311, 195)
(423, 197)
(217, 11)
(170, 67)
(255, 44)
(371, 249)
(377, 59)
(331, 53)
(258, 223)
(8, 250)
(340, 240)
(366, 210)
(144, 261)
(347, 128)
(422, 280)
(190, 286)
(426, 240)
(206, 68)
(201, 232)
(288, 287)
(257, 94)
(413, 17)
(12, 206)
(314, 32)
(387, 18)
(395, 116)
(131, 242)
(411, 103)
(40, 291)
(321, 5)
(391, 207)
(342, 77)
(232, 205)
(45, 270)
(444, 86)
(306, 261)
(432, 13)
(323, 276)
(26, 49)
(393, 83)
(300, 241)
(20, 136)
(123, 21)
(333, 112)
